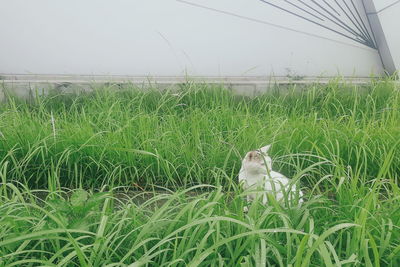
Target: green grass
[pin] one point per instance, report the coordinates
(339, 141)
(198, 135)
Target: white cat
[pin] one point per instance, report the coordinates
(257, 173)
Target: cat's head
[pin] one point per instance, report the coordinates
(257, 161)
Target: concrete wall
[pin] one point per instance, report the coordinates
(174, 38)
(28, 86)
(390, 21)
(382, 16)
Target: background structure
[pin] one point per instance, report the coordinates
(217, 38)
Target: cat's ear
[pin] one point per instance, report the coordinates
(265, 149)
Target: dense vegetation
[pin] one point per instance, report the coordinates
(198, 134)
(340, 141)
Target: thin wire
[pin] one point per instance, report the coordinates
(355, 22)
(348, 16)
(272, 24)
(355, 18)
(395, 3)
(373, 34)
(302, 9)
(349, 29)
(332, 8)
(362, 20)
(362, 35)
(319, 24)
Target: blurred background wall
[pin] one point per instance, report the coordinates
(194, 38)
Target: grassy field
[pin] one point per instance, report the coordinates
(340, 142)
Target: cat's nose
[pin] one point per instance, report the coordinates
(250, 156)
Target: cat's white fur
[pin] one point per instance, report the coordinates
(257, 173)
